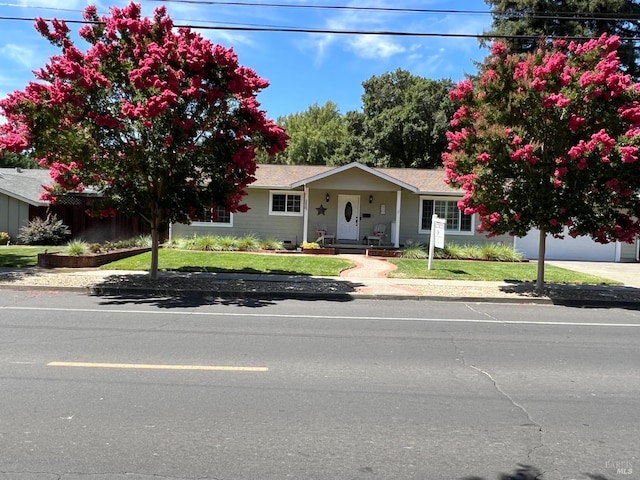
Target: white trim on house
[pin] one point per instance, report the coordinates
(287, 193)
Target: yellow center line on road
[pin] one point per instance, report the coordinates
(144, 366)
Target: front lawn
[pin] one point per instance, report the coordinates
(490, 271)
(236, 262)
(22, 256)
(293, 264)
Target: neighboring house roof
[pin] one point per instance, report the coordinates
(24, 184)
(293, 176)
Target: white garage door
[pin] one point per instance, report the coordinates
(579, 248)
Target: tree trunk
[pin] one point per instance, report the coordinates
(542, 244)
(155, 235)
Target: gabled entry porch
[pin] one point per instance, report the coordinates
(343, 206)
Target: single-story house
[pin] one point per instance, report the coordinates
(20, 202)
(292, 203)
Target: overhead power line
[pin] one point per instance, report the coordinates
(533, 14)
(577, 16)
(348, 32)
(245, 27)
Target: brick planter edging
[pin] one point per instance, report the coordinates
(383, 253)
(61, 260)
(320, 251)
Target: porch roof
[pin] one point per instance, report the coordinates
(421, 181)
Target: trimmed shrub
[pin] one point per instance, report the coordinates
(77, 247)
(415, 251)
(48, 231)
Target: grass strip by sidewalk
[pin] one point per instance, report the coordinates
(236, 262)
(491, 271)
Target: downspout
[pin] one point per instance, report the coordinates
(305, 215)
(396, 240)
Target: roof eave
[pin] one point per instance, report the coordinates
(350, 166)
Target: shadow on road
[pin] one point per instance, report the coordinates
(195, 289)
(581, 296)
(528, 472)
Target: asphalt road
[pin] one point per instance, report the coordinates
(120, 388)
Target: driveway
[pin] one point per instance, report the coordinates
(627, 273)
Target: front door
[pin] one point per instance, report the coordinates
(348, 217)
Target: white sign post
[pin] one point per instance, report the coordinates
(438, 226)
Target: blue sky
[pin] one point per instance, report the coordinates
(302, 68)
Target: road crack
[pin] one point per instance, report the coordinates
(530, 420)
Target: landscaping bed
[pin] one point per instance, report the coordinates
(91, 260)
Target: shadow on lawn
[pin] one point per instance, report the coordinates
(245, 271)
(16, 260)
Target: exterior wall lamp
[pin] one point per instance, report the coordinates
(327, 197)
(370, 198)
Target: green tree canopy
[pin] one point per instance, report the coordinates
(532, 19)
(314, 136)
(22, 160)
(405, 119)
(549, 140)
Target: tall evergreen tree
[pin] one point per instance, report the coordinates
(314, 136)
(525, 21)
(405, 119)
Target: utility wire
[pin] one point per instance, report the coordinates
(576, 16)
(348, 32)
(540, 15)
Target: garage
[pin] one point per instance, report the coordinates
(568, 248)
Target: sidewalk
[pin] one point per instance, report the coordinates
(367, 280)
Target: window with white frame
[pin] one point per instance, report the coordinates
(285, 203)
(213, 216)
(457, 221)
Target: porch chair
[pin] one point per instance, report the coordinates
(324, 235)
(379, 230)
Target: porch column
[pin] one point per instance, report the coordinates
(305, 215)
(396, 236)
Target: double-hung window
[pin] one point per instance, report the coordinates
(213, 216)
(457, 221)
(285, 203)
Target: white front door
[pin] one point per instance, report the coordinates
(348, 217)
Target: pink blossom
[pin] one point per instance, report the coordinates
(462, 89)
(498, 48)
(629, 154)
(575, 122)
(484, 157)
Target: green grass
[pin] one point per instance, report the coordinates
(20, 256)
(291, 264)
(490, 271)
(288, 264)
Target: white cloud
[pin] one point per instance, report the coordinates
(19, 54)
(374, 46)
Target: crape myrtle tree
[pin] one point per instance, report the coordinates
(549, 140)
(524, 21)
(160, 121)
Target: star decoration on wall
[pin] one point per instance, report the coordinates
(321, 209)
